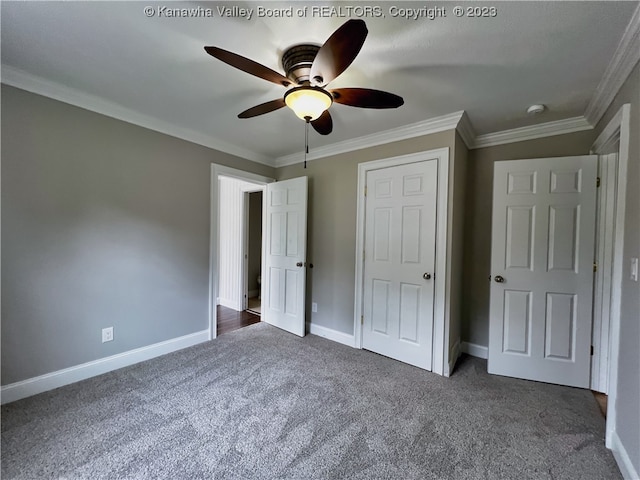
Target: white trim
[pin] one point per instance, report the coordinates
(221, 170)
(622, 63)
(442, 275)
(622, 458)
(439, 319)
(532, 132)
(33, 386)
(618, 126)
(31, 83)
(425, 127)
(475, 350)
(330, 334)
(466, 131)
(251, 188)
(605, 231)
(611, 133)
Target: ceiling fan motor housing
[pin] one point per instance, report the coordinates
(297, 61)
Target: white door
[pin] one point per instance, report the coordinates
(542, 269)
(284, 272)
(400, 236)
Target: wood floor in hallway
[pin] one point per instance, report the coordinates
(230, 319)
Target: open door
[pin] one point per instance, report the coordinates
(542, 269)
(284, 272)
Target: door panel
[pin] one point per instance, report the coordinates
(563, 237)
(519, 250)
(559, 326)
(409, 312)
(285, 262)
(517, 321)
(400, 219)
(542, 255)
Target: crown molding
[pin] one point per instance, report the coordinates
(466, 131)
(541, 130)
(32, 83)
(425, 127)
(457, 120)
(624, 60)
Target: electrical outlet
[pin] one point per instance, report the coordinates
(314, 307)
(107, 334)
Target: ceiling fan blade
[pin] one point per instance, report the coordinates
(263, 108)
(338, 51)
(366, 98)
(323, 124)
(249, 66)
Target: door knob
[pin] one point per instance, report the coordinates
(427, 276)
(299, 264)
(499, 279)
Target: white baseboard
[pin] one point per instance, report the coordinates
(474, 350)
(331, 334)
(454, 353)
(622, 458)
(49, 381)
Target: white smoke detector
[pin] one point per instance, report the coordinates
(536, 109)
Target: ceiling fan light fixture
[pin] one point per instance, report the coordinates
(307, 102)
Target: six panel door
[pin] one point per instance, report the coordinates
(285, 255)
(542, 269)
(400, 222)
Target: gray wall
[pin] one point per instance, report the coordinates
(457, 208)
(332, 225)
(255, 239)
(628, 393)
(103, 224)
(479, 198)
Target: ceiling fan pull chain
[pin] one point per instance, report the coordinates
(306, 139)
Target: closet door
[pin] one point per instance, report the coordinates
(400, 240)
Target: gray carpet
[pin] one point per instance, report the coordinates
(260, 403)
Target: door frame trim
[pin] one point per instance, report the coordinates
(216, 171)
(618, 129)
(439, 364)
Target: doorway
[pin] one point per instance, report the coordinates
(253, 251)
(227, 277)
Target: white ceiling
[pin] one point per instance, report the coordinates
(155, 68)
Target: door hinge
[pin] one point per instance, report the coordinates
(365, 190)
(361, 319)
(591, 349)
(595, 267)
(597, 182)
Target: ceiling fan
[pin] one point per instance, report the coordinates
(309, 69)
